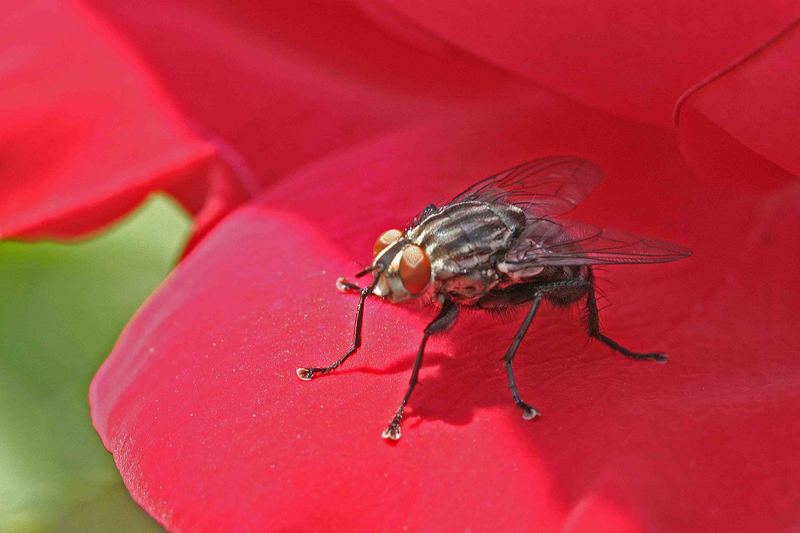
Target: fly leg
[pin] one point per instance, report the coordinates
(593, 322)
(528, 411)
(538, 292)
(446, 318)
(306, 374)
(347, 286)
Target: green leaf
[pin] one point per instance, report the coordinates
(62, 306)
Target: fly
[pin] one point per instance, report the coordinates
(495, 246)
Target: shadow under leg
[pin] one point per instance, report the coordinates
(593, 323)
(446, 318)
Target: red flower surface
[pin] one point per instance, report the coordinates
(309, 129)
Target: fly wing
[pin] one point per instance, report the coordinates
(543, 187)
(570, 243)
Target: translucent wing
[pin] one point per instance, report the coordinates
(544, 187)
(569, 243)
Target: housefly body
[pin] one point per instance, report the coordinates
(498, 245)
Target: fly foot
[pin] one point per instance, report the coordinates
(528, 411)
(306, 374)
(658, 357)
(392, 431)
(346, 286)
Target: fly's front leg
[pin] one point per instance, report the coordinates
(593, 320)
(347, 286)
(306, 374)
(446, 318)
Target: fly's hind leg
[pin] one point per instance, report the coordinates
(446, 318)
(593, 323)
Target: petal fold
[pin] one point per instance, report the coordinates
(86, 133)
(748, 111)
(285, 83)
(626, 57)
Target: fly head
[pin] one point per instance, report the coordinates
(402, 267)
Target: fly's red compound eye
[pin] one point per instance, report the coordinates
(386, 238)
(415, 269)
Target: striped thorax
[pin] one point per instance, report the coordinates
(453, 251)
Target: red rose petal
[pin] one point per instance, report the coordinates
(755, 102)
(715, 154)
(288, 82)
(627, 57)
(85, 133)
(212, 430)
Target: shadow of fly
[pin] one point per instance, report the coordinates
(495, 246)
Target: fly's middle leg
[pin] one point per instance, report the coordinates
(538, 293)
(446, 318)
(593, 323)
(528, 411)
